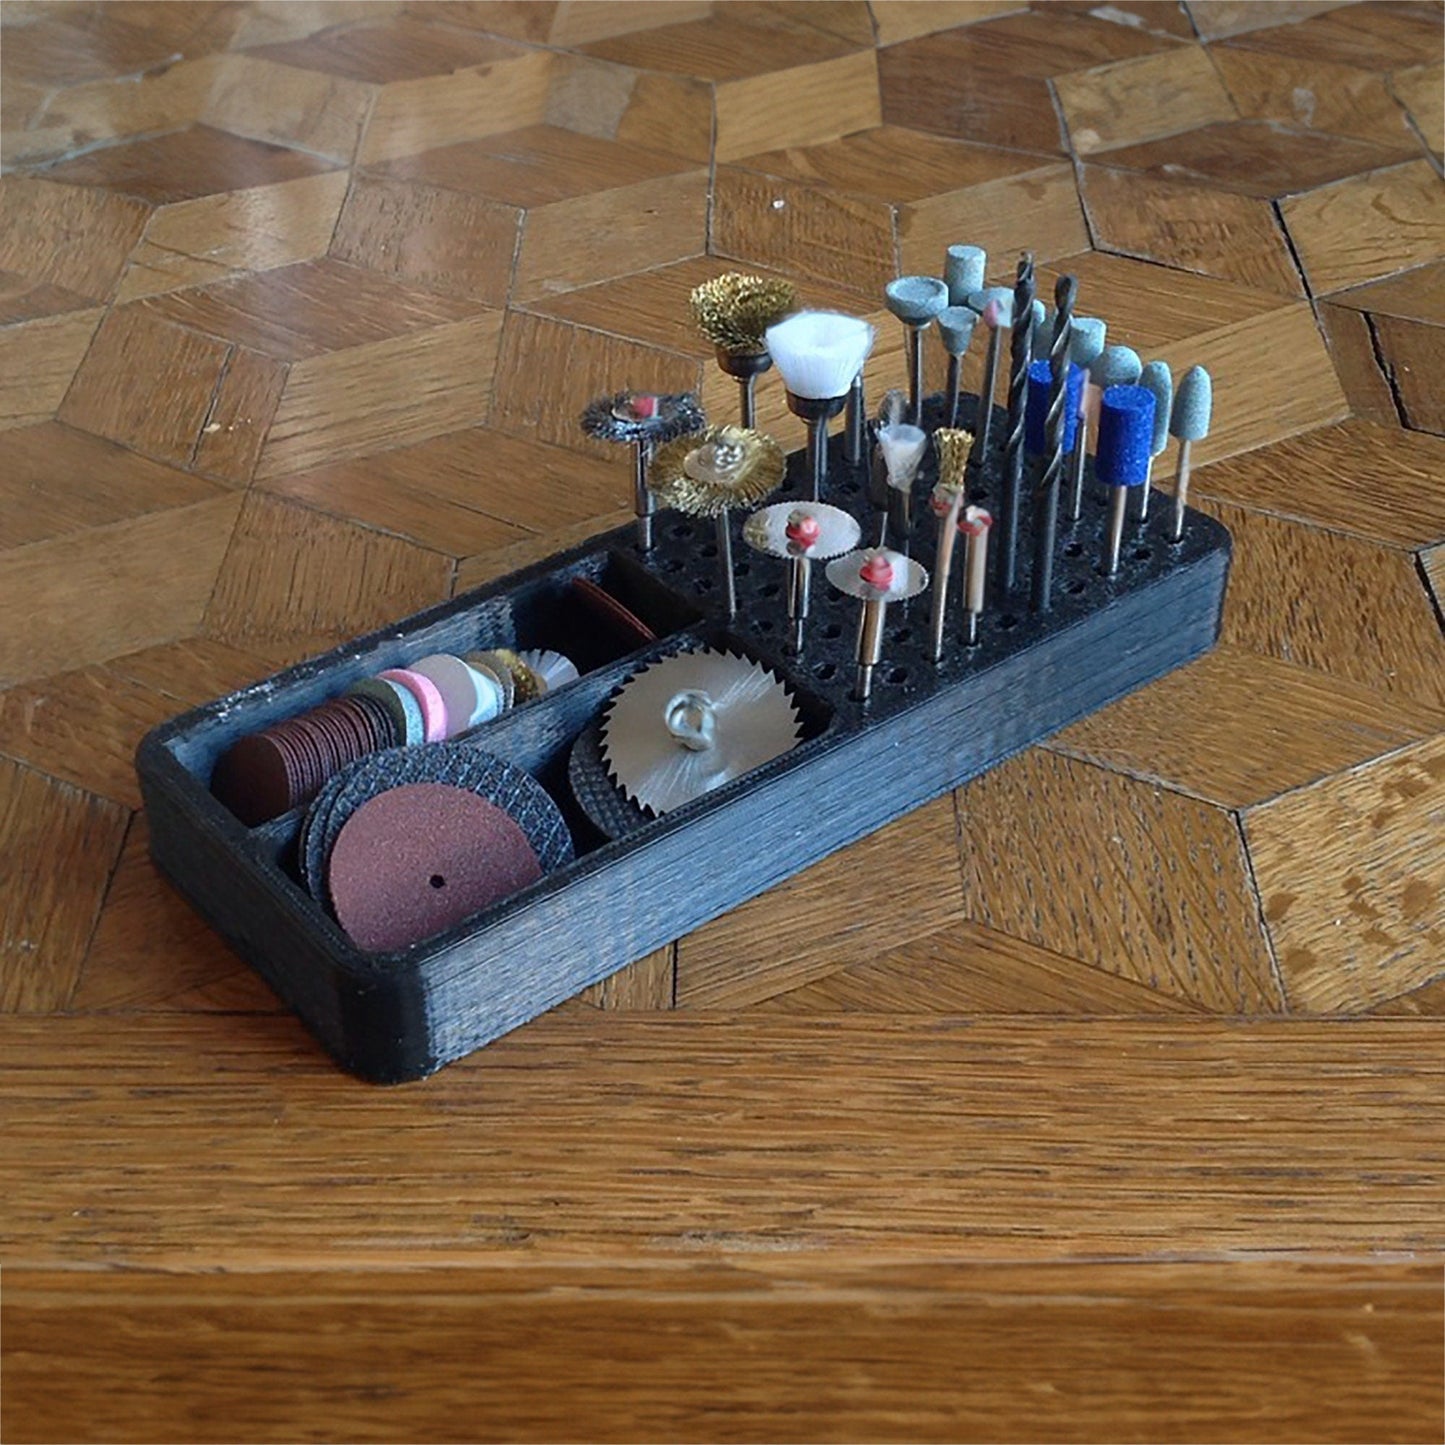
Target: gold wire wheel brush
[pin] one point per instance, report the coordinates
(706, 473)
(734, 311)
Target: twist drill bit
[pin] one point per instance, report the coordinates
(1020, 354)
(1046, 529)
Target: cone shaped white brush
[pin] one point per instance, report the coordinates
(818, 353)
(902, 446)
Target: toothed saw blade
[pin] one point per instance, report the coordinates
(753, 720)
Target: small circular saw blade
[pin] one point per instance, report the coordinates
(755, 720)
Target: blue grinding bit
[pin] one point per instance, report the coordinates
(1036, 435)
(1126, 428)
(963, 272)
(1193, 406)
(1086, 340)
(1157, 378)
(1115, 366)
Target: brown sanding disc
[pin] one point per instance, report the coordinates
(623, 623)
(421, 857)
(254, 778)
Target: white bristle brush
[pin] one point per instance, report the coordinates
(818, 353)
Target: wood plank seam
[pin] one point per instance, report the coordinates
(1293, 251)
(1386, 367)
(1276, 973)
(78, 981)
(1437, 603)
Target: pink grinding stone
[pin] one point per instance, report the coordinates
(644, 405)
(429, 699)
(419, 858)
(974, 522)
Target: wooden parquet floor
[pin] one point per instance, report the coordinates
(1100, 1101)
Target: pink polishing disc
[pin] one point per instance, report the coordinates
(429, 699)
(421, 857)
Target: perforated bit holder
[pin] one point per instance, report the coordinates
(634, 882)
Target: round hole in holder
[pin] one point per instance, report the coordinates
(708, 549)
(770, 589)
(702, 584)
(824, 671)
(831, 630)
(1074, 549)
(903, 634)
(683, 529)
(898, 676)
(741, 569)
(1142, 554)
(437, 881)
(1008, 622)
(1075, 587)
(764, 624)
(672, 564)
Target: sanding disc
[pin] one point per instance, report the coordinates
(254, 779)
(417, 859)
(623, 624)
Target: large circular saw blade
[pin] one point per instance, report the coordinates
(753, 720)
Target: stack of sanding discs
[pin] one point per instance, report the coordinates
(436, 698)
(268, 773)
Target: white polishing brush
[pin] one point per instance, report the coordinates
(818, 354)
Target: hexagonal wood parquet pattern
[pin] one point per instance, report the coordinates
(1098, 1101)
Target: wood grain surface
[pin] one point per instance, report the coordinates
(1097, 1101)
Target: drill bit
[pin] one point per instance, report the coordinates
(1066, 290)
(1020, 354)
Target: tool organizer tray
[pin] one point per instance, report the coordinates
(926, 729)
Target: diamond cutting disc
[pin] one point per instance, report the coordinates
(906, 578)
(692, 722)
(767, 530)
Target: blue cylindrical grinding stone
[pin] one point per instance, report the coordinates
(1036, 432)
(1126, 428)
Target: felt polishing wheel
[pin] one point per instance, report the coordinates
(424, 690)
(419, 858)
(460, 687)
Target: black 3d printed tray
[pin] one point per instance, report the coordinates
(394, 1017)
